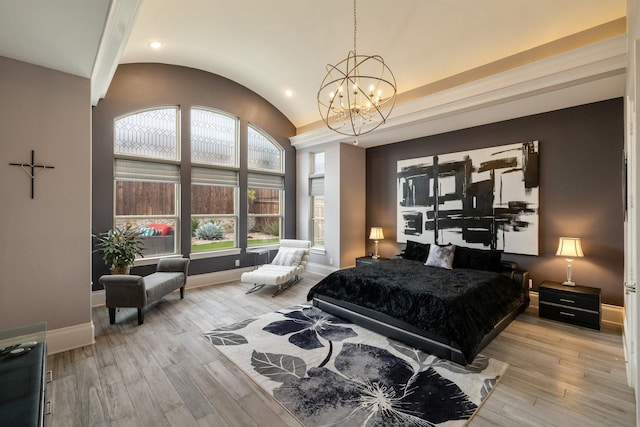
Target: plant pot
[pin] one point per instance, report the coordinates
(119, 270)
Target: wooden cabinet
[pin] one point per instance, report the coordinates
(367, 260)
(577, 305)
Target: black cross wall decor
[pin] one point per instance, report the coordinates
(32, 169)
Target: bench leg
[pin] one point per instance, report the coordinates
(140, 316)
(112, 315)
(182, 292)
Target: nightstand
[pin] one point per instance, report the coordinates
(577, 305)
(367, 260)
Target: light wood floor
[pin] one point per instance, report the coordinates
(164, 373)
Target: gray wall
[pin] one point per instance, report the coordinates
(580, 188)
(137, 86)
(45, 242)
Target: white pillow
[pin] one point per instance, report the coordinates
(441, 256)
(288, 256)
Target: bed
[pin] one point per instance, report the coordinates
(450, 312)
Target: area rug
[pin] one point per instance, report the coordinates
(329, 372)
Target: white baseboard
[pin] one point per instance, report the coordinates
(611, 314)
(195, 281)
(97, 298)
(207, 279)
(63, 339)
(321, 269)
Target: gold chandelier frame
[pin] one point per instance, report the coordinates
(350, 98)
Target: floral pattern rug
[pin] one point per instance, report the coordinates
(329, 372)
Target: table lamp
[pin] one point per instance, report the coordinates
(376, 234)
(569, 247)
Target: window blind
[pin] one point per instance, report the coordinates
(265, 181)
(134, 170)
(210, 176)
(316, 186)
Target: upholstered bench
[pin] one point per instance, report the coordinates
(128, 290)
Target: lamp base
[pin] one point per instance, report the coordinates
(568, 283)
(375, 257)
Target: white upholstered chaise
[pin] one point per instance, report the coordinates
(284, 270)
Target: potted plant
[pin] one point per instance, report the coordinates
(119, 247)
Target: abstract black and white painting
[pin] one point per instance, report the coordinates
(486, 198)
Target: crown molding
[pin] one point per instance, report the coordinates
(589, 74)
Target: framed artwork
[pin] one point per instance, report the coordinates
(486, 198)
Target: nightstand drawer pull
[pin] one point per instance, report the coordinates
(567, 300)
(564, 313)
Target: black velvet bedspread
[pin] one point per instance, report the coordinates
(460, 305)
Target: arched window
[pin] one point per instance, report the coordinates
(148, 193)
(264, 154)
(214, 138)
(265, 192)
(151, 134)
(147, 177)
(214, 181)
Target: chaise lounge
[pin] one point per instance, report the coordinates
(128, 290)
(284, 270)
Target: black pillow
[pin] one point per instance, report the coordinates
(477, 259)
(416, 251)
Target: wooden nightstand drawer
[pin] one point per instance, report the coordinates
(570, 299)
(570, 315)
(578, 305)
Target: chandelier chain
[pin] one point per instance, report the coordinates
(355, 24)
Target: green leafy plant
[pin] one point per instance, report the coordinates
(195, 223)
(210, 231)
(119, 247)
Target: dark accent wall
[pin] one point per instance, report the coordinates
(138, 86)
(580, 188)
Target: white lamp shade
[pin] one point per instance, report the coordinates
(376, 233)
(570, 247)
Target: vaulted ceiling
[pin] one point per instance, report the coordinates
(279, 45)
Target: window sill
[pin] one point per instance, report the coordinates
(150, 260)
(318, 251)
(262, 248)
(215, 254)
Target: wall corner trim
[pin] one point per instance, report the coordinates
(69, 338)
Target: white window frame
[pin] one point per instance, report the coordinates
(316, 189)
(218, 169)
(266, 179)
(151, 169)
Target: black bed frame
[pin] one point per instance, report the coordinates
(416, 337)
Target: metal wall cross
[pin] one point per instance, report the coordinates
(32, 169)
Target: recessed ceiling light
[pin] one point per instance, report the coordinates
(155, 45)
(288, 93)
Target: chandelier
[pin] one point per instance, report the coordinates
(358, 93)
